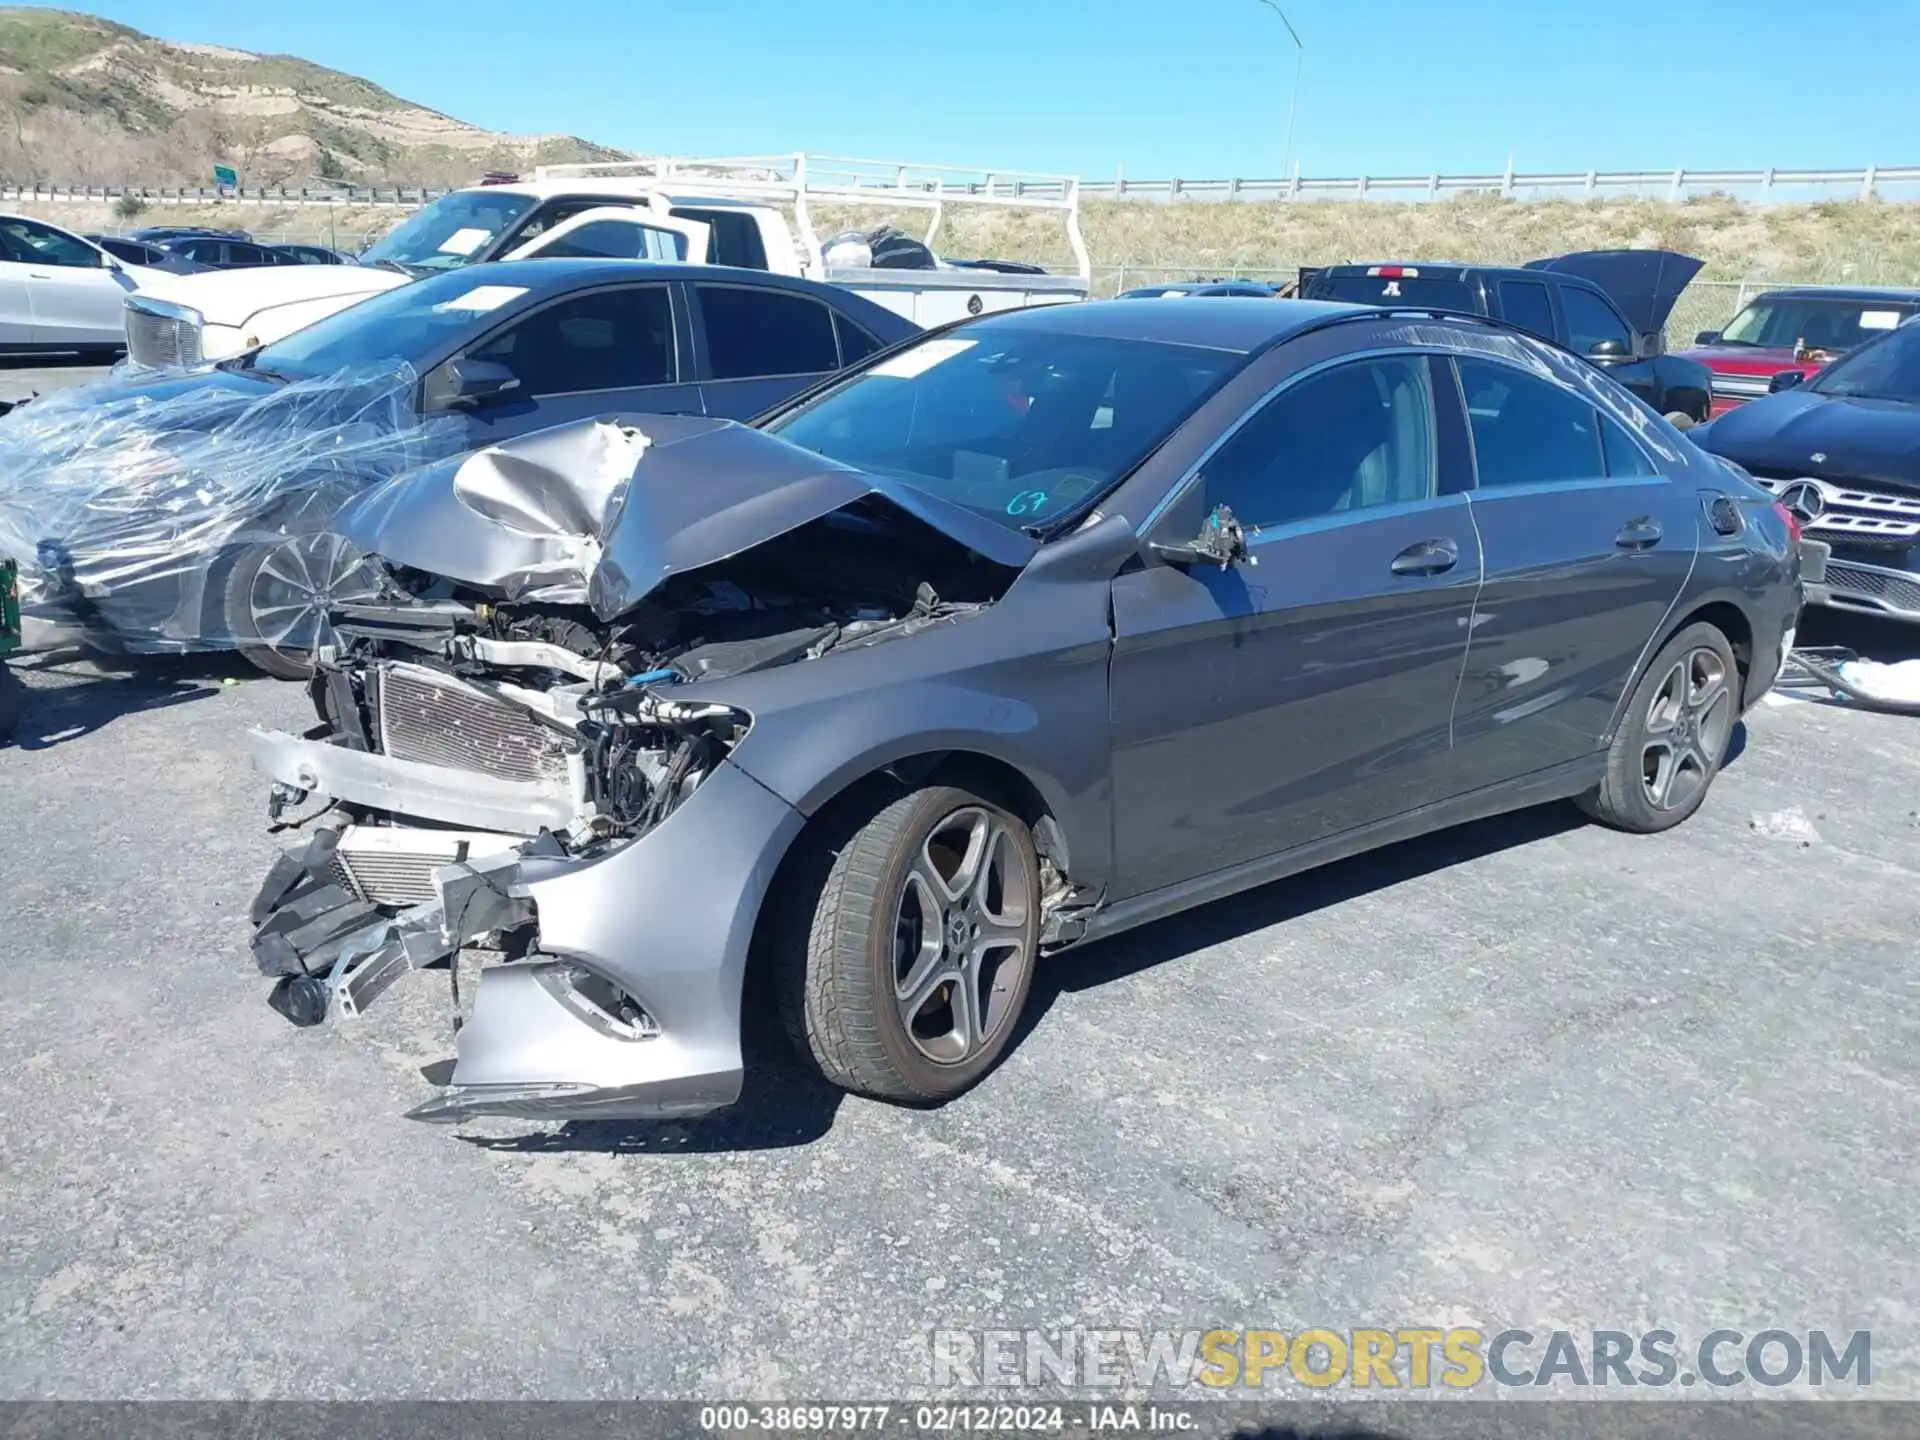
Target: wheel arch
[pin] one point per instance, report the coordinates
(833, 814)
(1722, 612)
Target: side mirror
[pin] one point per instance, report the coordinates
(1222, 541)
(1609, 352)
(1785, 380)
(475, 382)
(1707, 337)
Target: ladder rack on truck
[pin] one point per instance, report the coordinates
(803, 181)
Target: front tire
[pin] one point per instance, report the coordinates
(277, 597)
(1669, 747)
(920, 948)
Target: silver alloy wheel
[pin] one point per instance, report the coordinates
(961, 937)
(298, 582)
(1689, 721)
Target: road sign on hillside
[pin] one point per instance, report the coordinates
(224, 175)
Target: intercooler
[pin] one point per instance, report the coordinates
(434, 719)
(395, 866)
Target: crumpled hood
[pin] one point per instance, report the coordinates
(606, 511)
(1643, 283)
(233, 297)
(1856, 438)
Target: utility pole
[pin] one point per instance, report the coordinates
(1299, 72)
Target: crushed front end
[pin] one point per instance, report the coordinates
(489, 787)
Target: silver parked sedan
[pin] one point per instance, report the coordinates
(1019, 635)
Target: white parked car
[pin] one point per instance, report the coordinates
(61, 293)
(721, 212)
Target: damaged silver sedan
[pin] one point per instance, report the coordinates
(1043, 627)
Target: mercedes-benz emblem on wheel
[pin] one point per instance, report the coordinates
(1806, 499)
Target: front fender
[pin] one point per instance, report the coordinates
(1023, 683)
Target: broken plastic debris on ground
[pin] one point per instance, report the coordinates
(1790, 824)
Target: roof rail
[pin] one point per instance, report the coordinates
(802, 180)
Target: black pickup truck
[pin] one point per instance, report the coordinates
(1609, 305)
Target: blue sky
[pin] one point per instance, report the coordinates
(1199, 88)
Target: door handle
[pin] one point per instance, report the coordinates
(1427, 557)
(36, 275)
(1641, 534)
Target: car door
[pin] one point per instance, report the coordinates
(75, 298)
(16, 306)
(618, 232)
(757, 344)
(1589, 320)
(1259, 707)
(1587, 545)
(596, 352)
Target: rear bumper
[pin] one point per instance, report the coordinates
(665, 920)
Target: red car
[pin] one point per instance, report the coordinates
(1801, 329)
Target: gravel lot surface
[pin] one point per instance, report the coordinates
(1531, 1073)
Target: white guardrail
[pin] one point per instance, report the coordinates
(1675, 184)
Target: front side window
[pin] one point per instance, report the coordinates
(1010, 419)
(1590, 320)
(43, 245)
(1526, 430)
(606, 340)
(752, 333)
(453, 231)
(1346, 439)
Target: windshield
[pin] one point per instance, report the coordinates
(1018, 424)
(1886, 370)
(1780, 324)
(408, 322)
(453, 231)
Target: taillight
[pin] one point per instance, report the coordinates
(1793, 520)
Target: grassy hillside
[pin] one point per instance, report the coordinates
(86, 101)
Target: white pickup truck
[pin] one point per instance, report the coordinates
(757, 213)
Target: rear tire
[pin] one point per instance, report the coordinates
(919, 948)
(1678, 725)
(277, 593)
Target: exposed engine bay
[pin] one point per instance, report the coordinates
(468, 736)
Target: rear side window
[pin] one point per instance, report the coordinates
(1590, 320)
(1528, 431)
(733, 237)
(753, 333)
(855, 343)
(1624, 457)
(1525, 303)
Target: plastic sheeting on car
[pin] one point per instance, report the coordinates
(128, 502)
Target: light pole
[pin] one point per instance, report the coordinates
(1299, 70)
